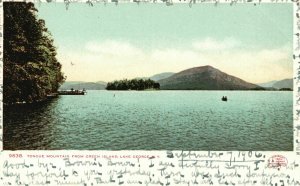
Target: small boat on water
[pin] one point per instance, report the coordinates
(72, 92)
(224, 98)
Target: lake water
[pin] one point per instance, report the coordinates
(154, 120)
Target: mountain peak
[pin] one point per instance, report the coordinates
(204, 78)
(202, 67)
(207, 66)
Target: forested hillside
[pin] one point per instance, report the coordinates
(31, 69)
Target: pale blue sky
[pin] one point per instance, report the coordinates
(126, 41)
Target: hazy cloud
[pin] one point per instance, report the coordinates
(112, 60)
(113, 48)
(210, 44)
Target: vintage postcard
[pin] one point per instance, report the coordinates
(150, 93)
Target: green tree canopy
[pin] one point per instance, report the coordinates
(134, 84)
(31, 69)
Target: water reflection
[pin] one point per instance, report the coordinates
(29, 127)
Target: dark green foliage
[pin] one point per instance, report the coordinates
(134, 84)
(258, 88)
(31, 70)
(286, 89)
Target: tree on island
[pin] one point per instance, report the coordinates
(134, 84)
(286, 89)
(31, 69)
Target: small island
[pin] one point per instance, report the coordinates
(134, 84)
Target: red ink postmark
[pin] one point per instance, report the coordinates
(277, 161)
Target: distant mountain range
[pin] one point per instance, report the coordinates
(267, 84)
(204, 78)
(285, 83)
(160, 76)
(157, 77)
(197, 78)
(79, 85)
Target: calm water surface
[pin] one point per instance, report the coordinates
(154, 120)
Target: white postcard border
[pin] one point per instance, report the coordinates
(157, 167)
